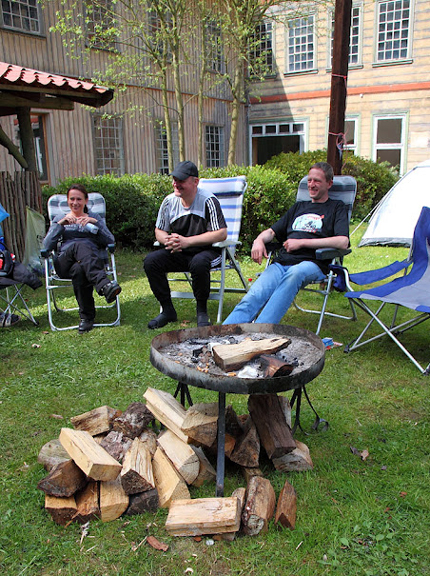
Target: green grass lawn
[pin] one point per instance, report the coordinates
(354, 517)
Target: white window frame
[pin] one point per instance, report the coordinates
(307, 22)
(354, 147)
(263, 36)
(280, 128)
(356, 21)
(214, 47)
(161, 142)
(99, 15)
(26, 19)
(388, 38)
(401, 146)
(214, 137)
(111, 146)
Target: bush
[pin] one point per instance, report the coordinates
(133, 200)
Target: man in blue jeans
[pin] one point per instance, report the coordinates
(304, 228)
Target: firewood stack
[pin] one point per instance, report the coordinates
(112, 463)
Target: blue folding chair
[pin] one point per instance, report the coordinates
(412, 291)
(230, 192)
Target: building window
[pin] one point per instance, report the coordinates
(389, 140)
(109, 147)
(40, 149)
(393, 32)
(22, 15)
(101, 24)
(301, 45)
(269, 140)
(351, 137)
(157, 32)
(214, 142)
(354, 37)
(261, 58)
(213, 47)
(162, 151)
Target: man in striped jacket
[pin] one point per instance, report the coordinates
(189, 221)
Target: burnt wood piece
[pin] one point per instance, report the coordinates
(116, 444)
(51, 454)
(87, 503)
(143, 502)
(133, 421)
(233, 356)
(274, 367)
(95, 421)
(63, 480)
(62, 510)
(275, 434)
(247, 449)
(259, 506)
(287, 507)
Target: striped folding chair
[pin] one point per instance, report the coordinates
(230, 192)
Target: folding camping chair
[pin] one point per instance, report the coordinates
(230, 192)
(409, 291)
(57, 205)
(343, 188)
(12, 285)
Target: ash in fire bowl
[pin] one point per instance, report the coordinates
(197, 353)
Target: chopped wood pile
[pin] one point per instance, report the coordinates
(113, 463)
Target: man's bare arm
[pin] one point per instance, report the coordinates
(258, 250)
(293, 244)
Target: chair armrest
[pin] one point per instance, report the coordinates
(330, 253)
(111, 248)
(227, 242)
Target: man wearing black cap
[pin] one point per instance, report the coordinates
(189, 221)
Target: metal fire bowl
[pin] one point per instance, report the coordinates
(232, 384)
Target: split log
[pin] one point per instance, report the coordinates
(207, 472)
(182, 456)
(166, 410)
(240, 494)
(63, 480)
(259, 506)
(149, 438)
(203, 516)
(51, 454)
(287, 507)
(275, 434)
(247, 449)
(298, 460)
(113, 500)
(136, 473)
(248, 473)
(133, 421)
(286, 408)
(95, 421)
(87, 503)
(274, 367)
(88, 455)
(62, 510)
(200, 423)
(170, 486)
(143, 502)
(116, 444)
(234, 356)
(233, 423)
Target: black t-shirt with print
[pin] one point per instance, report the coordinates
(310, 220)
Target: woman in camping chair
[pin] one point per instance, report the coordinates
(81, 234)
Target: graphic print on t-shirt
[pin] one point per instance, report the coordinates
(308, 223)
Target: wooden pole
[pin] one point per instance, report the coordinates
(27, 138)
(342, 25)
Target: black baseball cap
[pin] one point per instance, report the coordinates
(184, 170)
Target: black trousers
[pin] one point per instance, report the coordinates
(81, 263)
(157, 264)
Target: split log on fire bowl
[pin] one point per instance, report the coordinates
(182, 456)
(167, 410)
(203, 516)
(268, 415)
(95, 421)
(259, 506)
(88, 455)
(234, 356)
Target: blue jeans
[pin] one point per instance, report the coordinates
(273, 293)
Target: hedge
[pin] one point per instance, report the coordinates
(133, 200)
